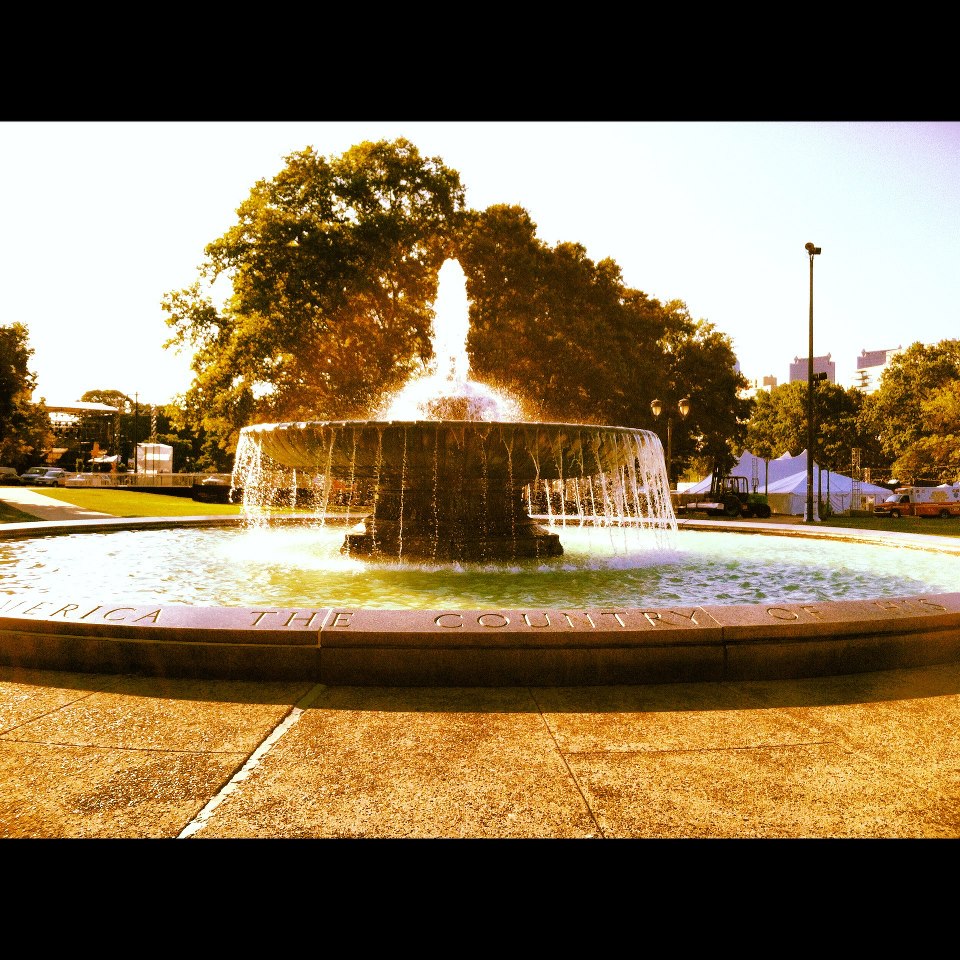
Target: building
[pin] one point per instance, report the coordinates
(799, 368)
(870, 367)
(764, 383)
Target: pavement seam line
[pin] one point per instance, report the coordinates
(253, 761)
(566, 763)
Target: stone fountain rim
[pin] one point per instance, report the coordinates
(473, 424)
(772, 641)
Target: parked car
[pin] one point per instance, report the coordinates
(30, 475)
(8, 477)
(54, 477)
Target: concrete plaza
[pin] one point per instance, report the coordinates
(860, 756)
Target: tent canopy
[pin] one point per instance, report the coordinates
(154, 458)
(784, 480)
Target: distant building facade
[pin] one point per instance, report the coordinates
(799, 368)
(870, 367)
(765, 384)
(865, 376)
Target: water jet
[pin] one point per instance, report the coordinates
(456, 480)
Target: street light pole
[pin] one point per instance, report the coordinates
(811, 516)
(136, 432)
(657, 407)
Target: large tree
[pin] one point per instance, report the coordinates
(779, 424)
(912, 412)
(333, 266)
(24, 425)
(572, 342)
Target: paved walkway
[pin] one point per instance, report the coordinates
(104, 756)
(45, 507)
(95, 756)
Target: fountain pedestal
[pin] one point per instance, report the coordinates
(468, 521)
(457, 490)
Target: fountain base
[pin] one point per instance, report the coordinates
(456, 543)
(470, 521)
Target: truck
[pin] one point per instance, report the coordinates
(729, 497)
(942, 501)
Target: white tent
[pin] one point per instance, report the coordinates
(154, 458)
(785, 484)
(789, 495)
(760, 473)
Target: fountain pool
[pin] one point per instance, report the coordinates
(297, 564)
(479, 549)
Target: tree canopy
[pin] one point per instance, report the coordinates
(914, 414)
(24, 425)
(334, 268)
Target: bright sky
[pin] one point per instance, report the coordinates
(101, 219)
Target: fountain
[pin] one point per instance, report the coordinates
(452, 541)
(450, 470)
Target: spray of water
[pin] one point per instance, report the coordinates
(450, 471)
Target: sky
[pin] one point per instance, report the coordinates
(100, 219)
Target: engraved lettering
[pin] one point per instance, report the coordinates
(485, 617)
(781, 613)
(590, 620)
(342, 618)
(107, 615)
(924, 602)
(886, 604)
(260, 614)
(66, 609)
(667, 619)
(91, 610)
(813, 611)
(441, 620)
(546, 623)
(154, 616)
(34, 608)
(615, 614)
(308, 620)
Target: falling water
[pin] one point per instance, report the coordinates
(449, 469)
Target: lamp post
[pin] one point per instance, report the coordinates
(811, 516)
(657, 407)
(136, 432)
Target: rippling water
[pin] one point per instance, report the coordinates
(302, 566)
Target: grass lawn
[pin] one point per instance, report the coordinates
(949, 527)
(128, 503)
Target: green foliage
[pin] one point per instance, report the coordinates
(112, 398)
(915, 414)
(779, 425)
(574, 344)
(698, 361)
(333, 266)
(24, 425)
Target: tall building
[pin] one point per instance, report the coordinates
(870, 367)
(798, 369)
